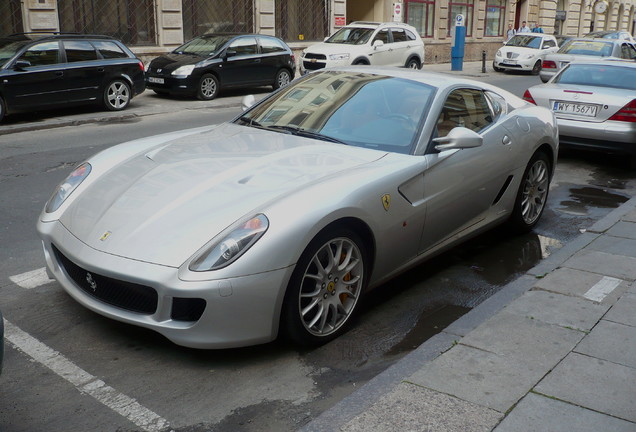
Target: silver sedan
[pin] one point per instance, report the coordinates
(279, 221)
(585, 50)
(595, 105)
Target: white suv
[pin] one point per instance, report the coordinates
(370, 43)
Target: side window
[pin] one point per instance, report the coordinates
(244, 46)
(269, 45)
(467, 108)
(411, 35)
(382, 35)
(46, 53)
(628, 52)
(548, 44)
(109, 49)
(399, 35)
(77, 51)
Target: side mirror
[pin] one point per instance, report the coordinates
(247, 102)
(377, 43)
(229, 53)
(21, 64)
(458, 138)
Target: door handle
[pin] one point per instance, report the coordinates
(506, 140)
(59, 73)
(100, 69)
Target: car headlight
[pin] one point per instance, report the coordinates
(67, 187)
(498, 53)
(227, 250)
(344, 56)
(183, 70)
(529, 56)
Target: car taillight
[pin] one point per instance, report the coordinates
(141, 66)
(548, 64)
(528, 97)
(627, 113)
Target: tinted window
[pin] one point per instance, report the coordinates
(410, 35)
(9, 48)
(244, 46)
(464, 108)
(548, 44)
(77, 51)
(382, 35)
(399, 35)
(109, 49)
(598, 76)
(46, 53)
(269, 45)
(628, 52)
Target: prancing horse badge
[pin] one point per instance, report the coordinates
(386, 201)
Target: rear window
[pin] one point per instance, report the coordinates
(592, 48)
(77, 51)
(109, 49)
(599, 76)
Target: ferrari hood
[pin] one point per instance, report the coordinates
(165, 204)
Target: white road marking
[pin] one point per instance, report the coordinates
(602, 289)
(85, 382)
(32, 279)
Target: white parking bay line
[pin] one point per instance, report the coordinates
(602, 288)
(31, 279)
(85, 382)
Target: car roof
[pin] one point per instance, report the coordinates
(38, 36)
(374, 24)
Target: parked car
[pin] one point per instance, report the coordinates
(595, 105)
(585, 50)
(281, 220)
(40, 71)
(524, 52)
(367, 43)
(562, 39)
(206, 64)
(608, 34)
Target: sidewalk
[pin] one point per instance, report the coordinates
(148, 103)
(553, 351)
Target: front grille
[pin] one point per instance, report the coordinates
(512, 55)
(313, 66)
(126, 295)
(187, 309)
(315, 56)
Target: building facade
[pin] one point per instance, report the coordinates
(153, 27)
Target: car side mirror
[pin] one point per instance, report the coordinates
(458, 138)
(377, 43)
(229, 53)
(21, 64)
(247, 102)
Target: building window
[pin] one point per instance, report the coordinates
(131, 21)
(205, 16)
(11, 17)
(420, 14)
(464, 7)
(495, 17)
(302, 20)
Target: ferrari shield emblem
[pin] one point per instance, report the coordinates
(105, 235)
(386, 201)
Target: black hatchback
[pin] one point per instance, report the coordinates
(41, 71)
(204, 65)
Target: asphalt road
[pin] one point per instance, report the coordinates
(72, 370)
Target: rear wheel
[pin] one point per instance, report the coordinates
(360, 62)
(117, 95)
(283, 77)
(532, 194)
(2, 109)
(413, 64)
(208, 87)
(324, 291)
(536, 69)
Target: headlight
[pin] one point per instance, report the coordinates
(183, 70)
(498, 53)
(68, 186)
(232, 246)
(529, 56)
(344, 56)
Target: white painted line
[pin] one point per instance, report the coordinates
(86, 383)
(602, 289)
(32, 279)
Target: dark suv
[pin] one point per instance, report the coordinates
(41, 71)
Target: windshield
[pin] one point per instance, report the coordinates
(360, 109)
(525, 41)
(587, 47)
(203, 46)
(351, 36)
(8, 48)
(599, 76)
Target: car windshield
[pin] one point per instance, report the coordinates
(359, 109)
(599, 76)
(9, 47)
(587, 47)
(351, 36)
(204, 46)
(525, 41)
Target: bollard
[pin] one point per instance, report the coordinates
(483, 61)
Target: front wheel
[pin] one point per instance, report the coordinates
(532, 194)
(413, 64)
(495, 68)
(117, 95)
(325, 288)
(283, 77)
(208, 87)
(2, 109)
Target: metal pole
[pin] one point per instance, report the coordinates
(483, 61)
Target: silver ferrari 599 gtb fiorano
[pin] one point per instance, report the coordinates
(281, 220)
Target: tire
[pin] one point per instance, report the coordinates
(283, 77)
(413, 63)
(536, 69)
(321, 302)
(360, 62)
(117, 95)
(532, 194)
(2, 109)
(208, 87)
(495, 68)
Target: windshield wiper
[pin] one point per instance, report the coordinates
(295, 130)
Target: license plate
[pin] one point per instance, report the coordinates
(506, 61)
(155, 80)
(575, 108)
